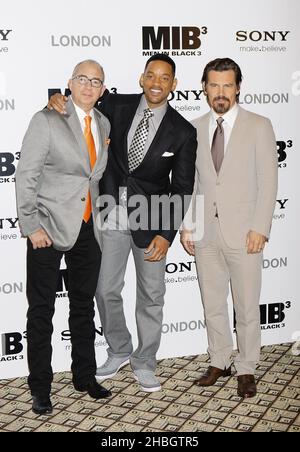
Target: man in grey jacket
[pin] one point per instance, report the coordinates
(62, 160)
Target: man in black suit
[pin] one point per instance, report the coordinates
(151, 156)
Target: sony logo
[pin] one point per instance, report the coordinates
(257, 35)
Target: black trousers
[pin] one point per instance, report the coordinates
(43, 265)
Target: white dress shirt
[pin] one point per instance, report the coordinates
(81, 115)
(229, 120)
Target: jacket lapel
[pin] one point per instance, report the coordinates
(126, 116)
(102, 142)
(234, 143)
(204, 136)
(162, 139)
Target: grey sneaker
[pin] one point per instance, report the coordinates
(147, 380)
(111, 367)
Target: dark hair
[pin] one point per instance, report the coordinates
(220, 65)
(162, 57)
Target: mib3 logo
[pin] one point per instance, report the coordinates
(282, 147)
(264, 36)
(7, 166)
(272, 316)
(173, 41)
(12, 346)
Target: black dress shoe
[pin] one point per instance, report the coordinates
(94, 389)
(41, 404)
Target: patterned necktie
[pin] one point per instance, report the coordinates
(93, 158)
(217, 147)
(136, 150)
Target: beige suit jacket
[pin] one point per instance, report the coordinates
(244, 192)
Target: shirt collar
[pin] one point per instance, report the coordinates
(82, 114)
(159, 112)
(229, 117)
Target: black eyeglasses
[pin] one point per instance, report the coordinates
(84, 80)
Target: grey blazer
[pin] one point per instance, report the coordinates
(244, 192)
(54, 175)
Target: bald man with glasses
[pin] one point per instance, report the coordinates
(62, 160)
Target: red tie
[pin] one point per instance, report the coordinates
(93, 158)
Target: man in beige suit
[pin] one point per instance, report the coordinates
(236, 174)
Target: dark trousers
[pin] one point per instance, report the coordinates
(43, 265)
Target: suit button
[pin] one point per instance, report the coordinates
(82, 199)
(215, 204)
(218, 183)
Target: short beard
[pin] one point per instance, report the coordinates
(223, 108)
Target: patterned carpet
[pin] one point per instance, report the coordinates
(179, 407)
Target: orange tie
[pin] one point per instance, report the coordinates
(93, 158)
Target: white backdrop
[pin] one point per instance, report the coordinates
(40, 42)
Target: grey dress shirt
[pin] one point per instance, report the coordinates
(154, 122)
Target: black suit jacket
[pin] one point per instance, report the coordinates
(156, 175)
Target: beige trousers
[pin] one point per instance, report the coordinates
(218, 267)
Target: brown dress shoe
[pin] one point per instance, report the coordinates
(246, 386)
(212, 375)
